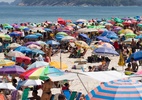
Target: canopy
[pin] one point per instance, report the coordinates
(105, 76)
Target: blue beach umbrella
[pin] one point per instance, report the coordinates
(38, 34)
(14, 34)
(52, 42)
(59, 37)
(137, 56)
(48, 29)
(104, 39)
(37, 51)
(23, 49)
(139, 37)
(84, 36)
(105, 51)
(124, 89)
(31, 37)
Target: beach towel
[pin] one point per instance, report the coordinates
(25, 94)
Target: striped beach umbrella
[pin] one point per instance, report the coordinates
(41, 73)
(124, 89)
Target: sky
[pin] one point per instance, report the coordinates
(7, 0)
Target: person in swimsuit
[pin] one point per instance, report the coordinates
(46, 88)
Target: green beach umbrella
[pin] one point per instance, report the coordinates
(139, 25)
(118, 20)
(62, 33)
(130, 35)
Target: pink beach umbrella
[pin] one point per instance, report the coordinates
(33, 46)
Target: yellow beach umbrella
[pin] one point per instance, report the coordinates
(4, 62)
(121, 60)
(82, 44)
(56, 64)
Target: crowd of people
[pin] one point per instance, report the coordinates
(74, 52)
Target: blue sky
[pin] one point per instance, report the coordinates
(7, 0)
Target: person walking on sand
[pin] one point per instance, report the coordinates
(46, 88)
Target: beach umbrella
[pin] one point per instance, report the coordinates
(4, 62)
(86, 30)
(33, 46)
(37, 64)
(25, 59)
(61, 21)
(139, 36)
(68, 38)
(7, 86)
(130, 35)
(15, 54)
(41, 73)
(59, 37)
(123, 89)
(137, 56)
(62, 33)
(105, 51)
(129, 40)
(84, 36)
(5, 37)
(23, 49)
(30, 82)
(103, 38)
(29, 43)
(52, 42)
(16, 70)
(105, 44)
(82, 20)
(31, 36)
(37, 51)
(38, 34)
(41, 43)
(14, 45)
(13, 34)
(82, 44)
(48, 29)
(57, 64)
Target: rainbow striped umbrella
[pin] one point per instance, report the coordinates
(41, 73)
(124, 89)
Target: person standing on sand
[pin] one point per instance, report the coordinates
(50, 52)
(46, 88)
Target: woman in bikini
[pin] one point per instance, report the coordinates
(46, 87)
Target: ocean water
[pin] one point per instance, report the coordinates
(19, 14)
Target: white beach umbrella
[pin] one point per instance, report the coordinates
(30, 82)
(38, 64)
(8, 86)
(66, 38)
(14, 45)
(15, 54)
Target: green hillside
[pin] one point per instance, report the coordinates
(83, 2)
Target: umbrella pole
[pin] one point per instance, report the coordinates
(82, 83)
(60, 59)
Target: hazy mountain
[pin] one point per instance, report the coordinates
(80, 2)
(4, 3)
(16, 2)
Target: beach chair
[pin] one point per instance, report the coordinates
(52, 97)
(67, 94)
(73, 95)
(25, 93)
(78, 95)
